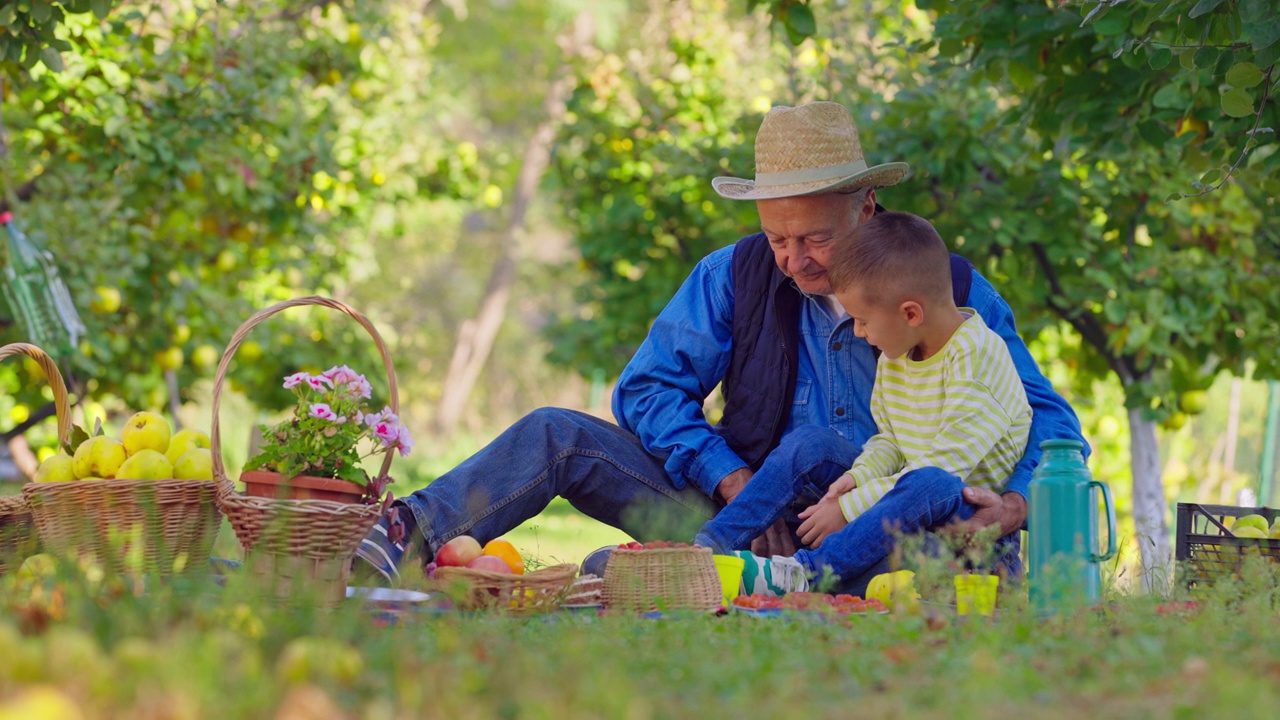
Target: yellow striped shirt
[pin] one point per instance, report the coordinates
(964, 410)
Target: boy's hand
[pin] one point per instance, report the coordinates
(820, 521)
(842, 485)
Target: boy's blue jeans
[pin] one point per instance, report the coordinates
(605, 473)
(798, 473)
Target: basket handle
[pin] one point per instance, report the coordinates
(61, 405)
(215, 431)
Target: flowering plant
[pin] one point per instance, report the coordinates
(330, 423)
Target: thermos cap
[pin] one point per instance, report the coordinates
(1061, 445)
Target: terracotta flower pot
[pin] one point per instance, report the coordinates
(268, 484)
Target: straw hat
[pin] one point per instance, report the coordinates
(808, 150)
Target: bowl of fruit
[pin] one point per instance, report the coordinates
(662, 575)
(494, 577)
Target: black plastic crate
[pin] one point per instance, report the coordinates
(1206, 550)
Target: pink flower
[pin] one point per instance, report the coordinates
(357, 385)
(323, 411)
(386, 431)
(403, 441)
(386, 415)
(318, 382)
(295, 380)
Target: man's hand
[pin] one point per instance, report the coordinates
(732, 484)
(1009, 510)
(775, 541)
(844, 484)
(820, 521)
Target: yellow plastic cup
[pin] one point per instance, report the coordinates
(976, 594)
(729, 568)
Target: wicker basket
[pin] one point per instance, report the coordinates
(155, 527)
(17, 532)
(662, 579)
(17, 539)
(533, 592)
(294, 545)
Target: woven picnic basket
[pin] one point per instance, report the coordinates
(296, 547)
(537, 591)
(152, 526)
(662, 579)
(17, 535)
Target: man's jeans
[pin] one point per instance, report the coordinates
(605, 473)
(601, 469)
(798, 473)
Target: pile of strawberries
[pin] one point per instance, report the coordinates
(841, 604)
(655, 545)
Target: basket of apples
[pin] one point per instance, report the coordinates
(143, 502)
(494, 577)
(662, 575)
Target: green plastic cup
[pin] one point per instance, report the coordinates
(976, 594)
(729, 568)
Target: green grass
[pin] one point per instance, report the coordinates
(191, 649)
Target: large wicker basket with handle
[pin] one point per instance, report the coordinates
(662, 579)
(296, 546)
(150, 526)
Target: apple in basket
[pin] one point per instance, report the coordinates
(489, 563)
(458, 552)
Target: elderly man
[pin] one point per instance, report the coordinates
(759, 320)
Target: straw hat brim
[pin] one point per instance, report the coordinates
(878, 176)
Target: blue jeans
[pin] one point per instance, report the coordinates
(798, 473)
(601, 469)
(794, 476)
(921, 500)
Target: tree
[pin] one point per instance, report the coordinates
(194, 161)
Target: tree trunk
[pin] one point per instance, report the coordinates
(476, 336)
(1148, 502)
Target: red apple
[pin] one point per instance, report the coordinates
(489, 563)
(458, 552)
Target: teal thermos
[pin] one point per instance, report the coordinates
(1062, 525)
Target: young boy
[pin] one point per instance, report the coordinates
(948, 404)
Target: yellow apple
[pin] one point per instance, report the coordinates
(107, 300)
(169, 358)
(56, 468)
(205, 356)
(196, 464)
(145, 465)
(98, 457)
(185, 441)
(146, 431)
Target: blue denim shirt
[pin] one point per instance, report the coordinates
(660, 393)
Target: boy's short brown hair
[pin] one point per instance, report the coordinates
(893, 257)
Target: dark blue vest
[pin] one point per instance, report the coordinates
(760, 384)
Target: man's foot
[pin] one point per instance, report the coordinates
(596, 561)
(774, 576)
(380, 554)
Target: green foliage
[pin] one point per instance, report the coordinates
(646, 132)
(29, 30)
(206, 160)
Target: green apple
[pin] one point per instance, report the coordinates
(1193, 402)
(1252, 520)
(1249, 531)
